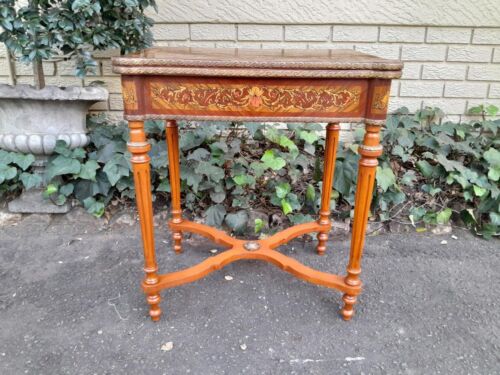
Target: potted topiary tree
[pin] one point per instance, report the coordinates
(33, 118)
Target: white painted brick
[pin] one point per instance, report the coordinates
(106, 53)
(3, 50)
(239, 44)
(484, 73)
(291, 45)
(411, 70)
(115, 102)
(394, 88)
(387, 51)
(99, 106)
(107, 68)
(351, 33)
(208, 31)
(421, 89)
(23, 69)
(449, 106)
(444, 71)
(413, 104)
(162, 31)
(307, 32)
(448, 35)
(402, 34)
(260, 32)
(494, 91)
(68, 68)
(469, 53)
(465, 90)
(4, 79)
(328, 45)
(187, 43)
(423, 53)
(112, 84)
(475, 102)
(62, 81)
(496, 55)
(486, 36)
(4, 71)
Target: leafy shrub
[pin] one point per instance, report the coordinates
(431, 171)
(44, 29)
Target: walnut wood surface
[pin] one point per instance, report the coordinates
(255, 59)
(185, 83)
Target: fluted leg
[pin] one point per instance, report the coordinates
(332, 141)
(175, 180)
(369, 151)
(139, 148)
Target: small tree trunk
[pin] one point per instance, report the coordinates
(38, 74)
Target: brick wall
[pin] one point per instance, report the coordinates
(451, 67)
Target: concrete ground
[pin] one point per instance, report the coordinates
(70, 303)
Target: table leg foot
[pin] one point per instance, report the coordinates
(347, 311)
(177, 236)
(154, 310)
(322, 238)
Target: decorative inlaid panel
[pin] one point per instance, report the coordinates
(256, 97)
(129, 95)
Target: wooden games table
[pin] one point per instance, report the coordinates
(328, 86)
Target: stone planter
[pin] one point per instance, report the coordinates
(31, 121)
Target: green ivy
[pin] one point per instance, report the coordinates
(431, 171)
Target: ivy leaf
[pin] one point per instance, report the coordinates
(283, 189)
(62, 165)
(237, 221)
(385, 178)
(116, 168)
(23, 160)
(164, 185)
(30, 180)
(217, 197)
(94, 206)
(495, 218)
(308, 136)
(443, 216)
(88, 170)
(200, 154)
(51, 189)
(5, 157)
(409, 178)
(211, 171)
(425, 168)
(273, 162)
(215, 215)
(310, 194)
(492, 156)
(286, 206)
(7, 173)
(479, 191)
(67, 189)
(258, 225)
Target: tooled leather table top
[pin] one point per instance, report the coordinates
(256, 63)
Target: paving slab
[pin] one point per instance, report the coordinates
(70, 303)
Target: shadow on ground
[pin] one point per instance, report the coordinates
(70, 303)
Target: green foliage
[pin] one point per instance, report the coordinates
(45, 29)
(15, 173)
(431, 172)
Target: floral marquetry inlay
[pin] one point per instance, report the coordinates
(241, 97)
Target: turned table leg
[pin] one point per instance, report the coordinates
(139, 148)
(175, 179)
(332, 141)
(369, 151)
